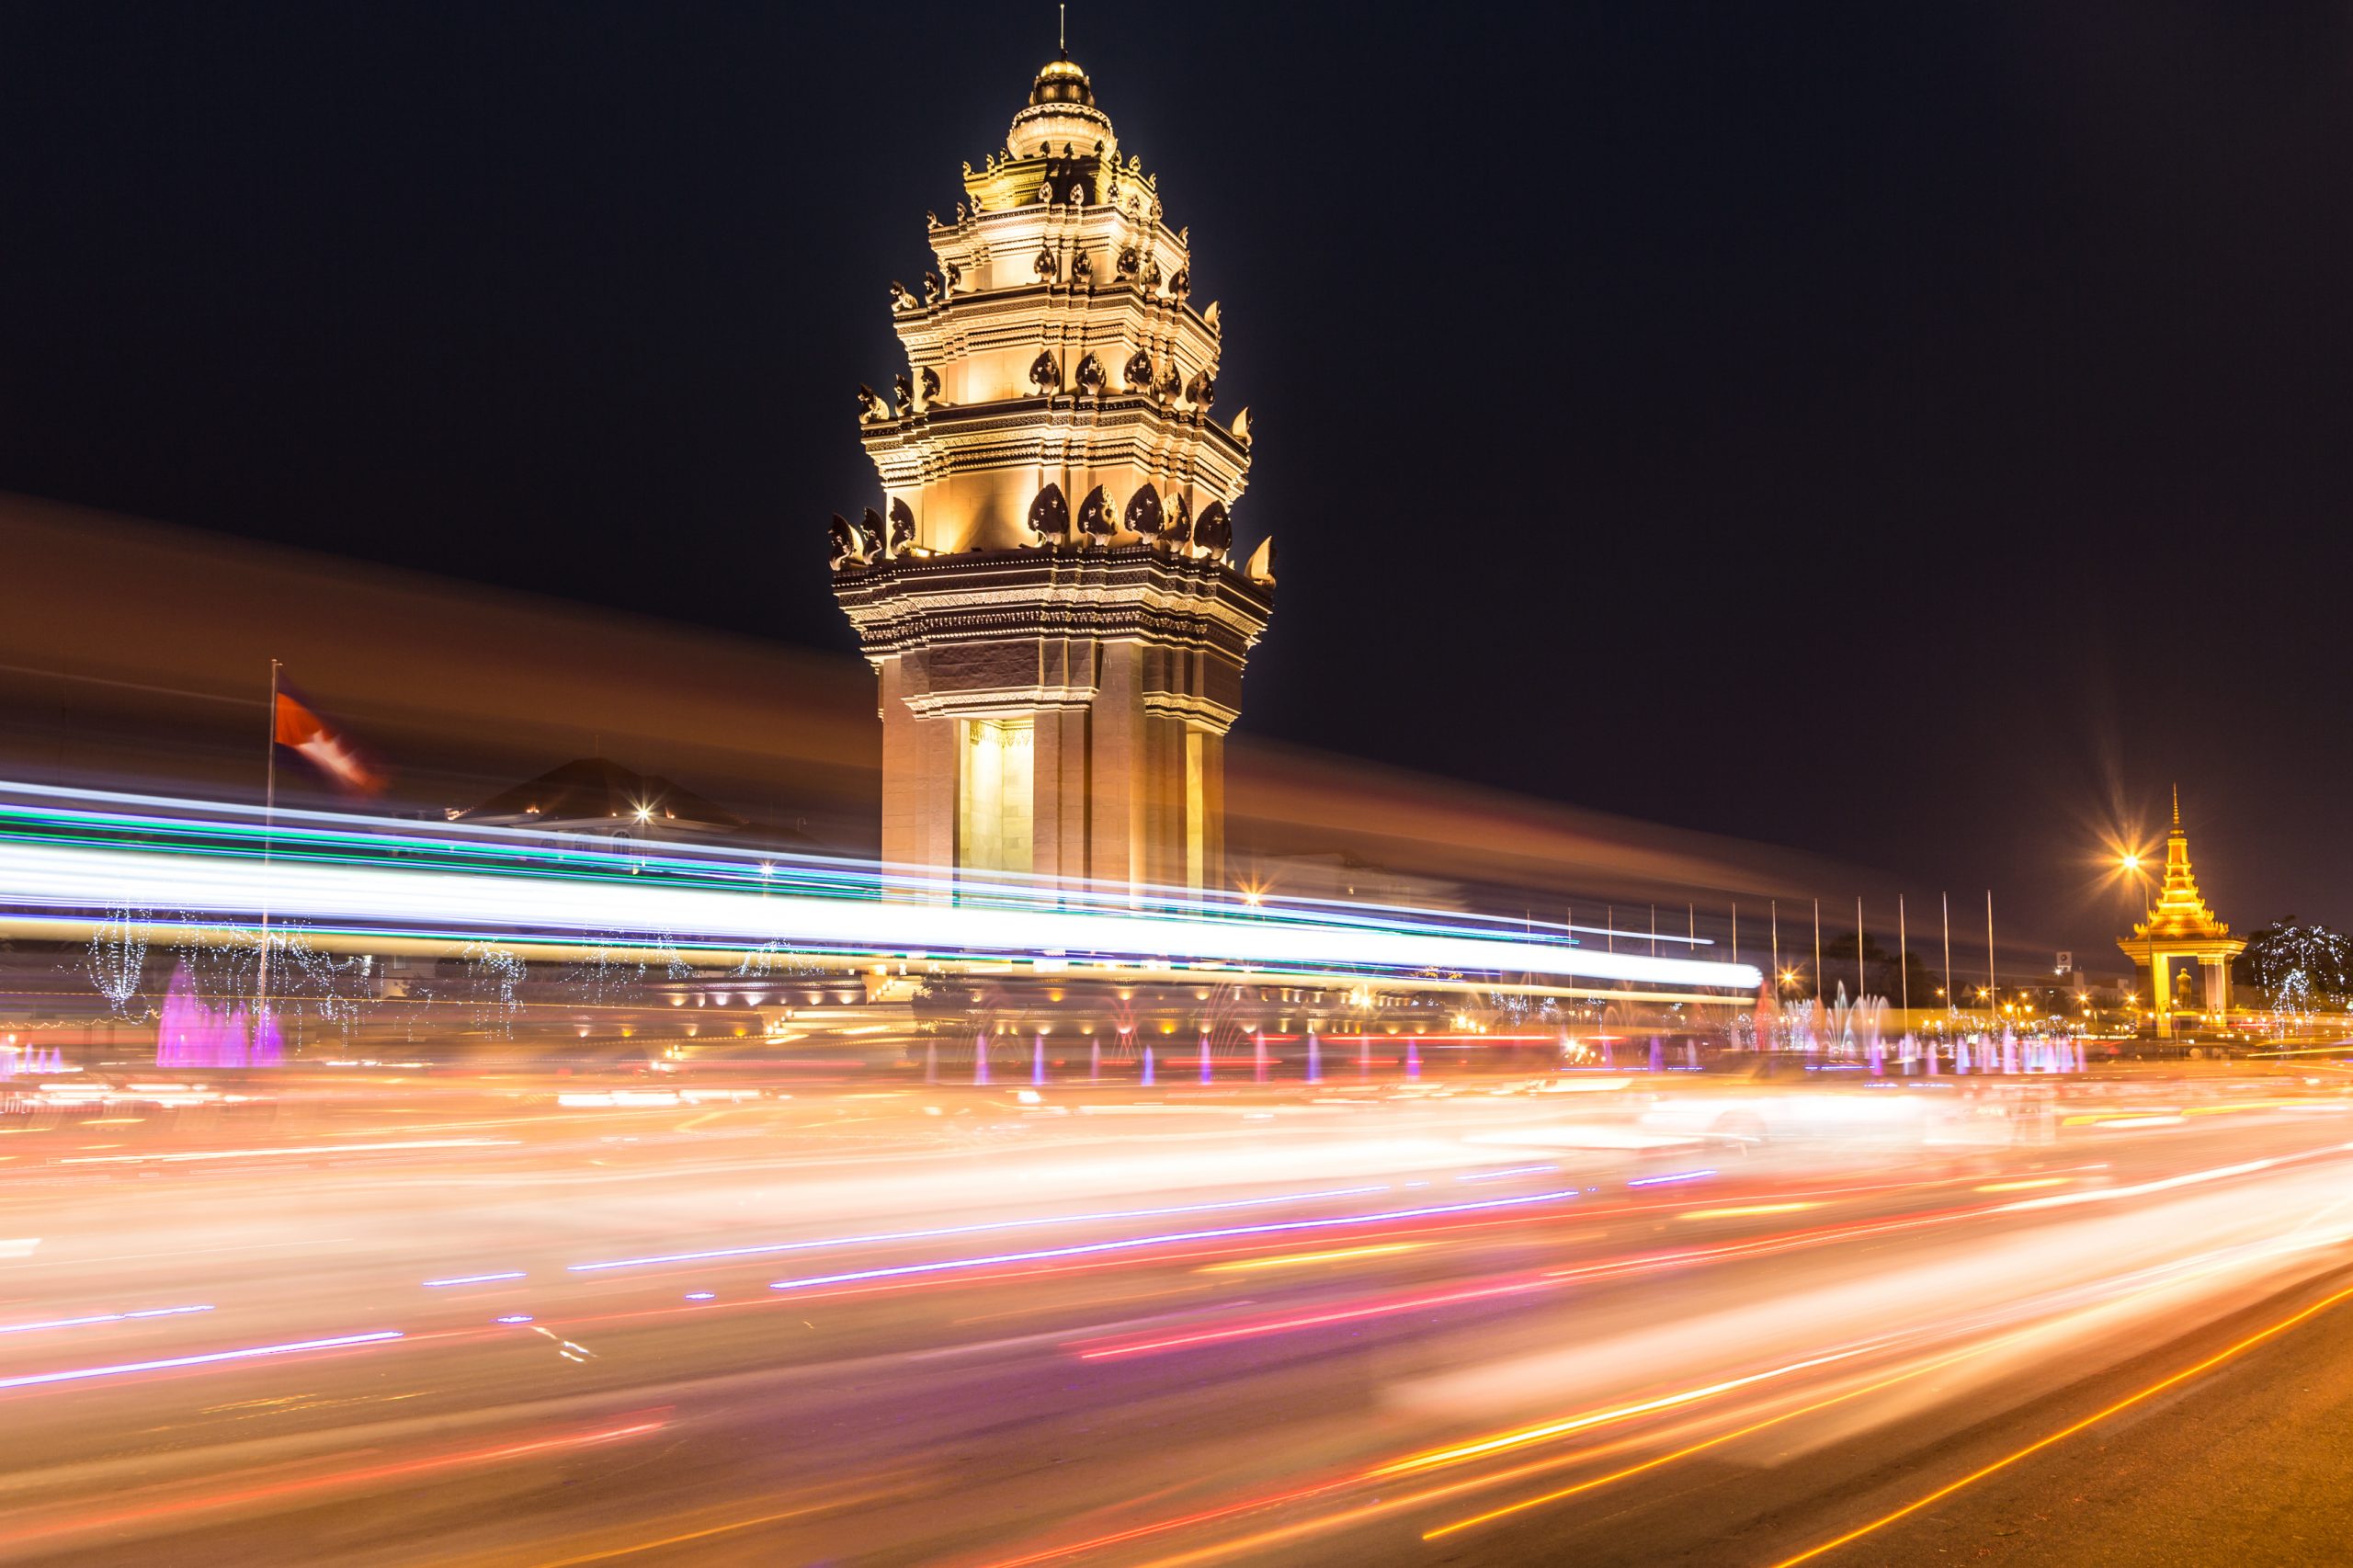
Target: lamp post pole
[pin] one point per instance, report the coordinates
(1992, 993)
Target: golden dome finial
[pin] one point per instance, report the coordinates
(1062, 82)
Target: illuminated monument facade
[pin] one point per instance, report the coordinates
(2182, 928)
(1047, 593)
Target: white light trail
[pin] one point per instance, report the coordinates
(310, 1149)
(100, 1317)
(45, 876)
(120, 1368)
(881, 1237)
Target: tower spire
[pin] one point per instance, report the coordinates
(1062, 29)
(2176, 807)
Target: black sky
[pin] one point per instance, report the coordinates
(1917, 432)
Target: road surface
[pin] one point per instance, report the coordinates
(381, 1320)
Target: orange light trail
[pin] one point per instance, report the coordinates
(1384, 1506)
(1314, 1320)
(729, 1528)
(1760, 1246)
(1745, 1209)
(360, 1476)
(1294, 1259)
(1524, 1435)
(2127, 1403)
(1717, 1441)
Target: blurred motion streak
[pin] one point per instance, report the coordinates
(1127, 1243)
(773, 1247)
(169, 1363)
(366, 1475)
(2140, 1396)
(1312, 1320)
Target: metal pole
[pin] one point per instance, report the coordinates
(1953, 1003)
(1817, 948)
(1902, 961)
(1736, 930)
(1773, 920)
(268, 818)
(1992, 995)
(1861, 982)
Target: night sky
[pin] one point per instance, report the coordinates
(1915, 433)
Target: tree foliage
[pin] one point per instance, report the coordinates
(2300, 969)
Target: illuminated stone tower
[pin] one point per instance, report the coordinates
(2181, 926)
(1047, 593)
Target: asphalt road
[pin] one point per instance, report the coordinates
(372, 1321)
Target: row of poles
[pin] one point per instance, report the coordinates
(1773, 907)
(1149, 1060)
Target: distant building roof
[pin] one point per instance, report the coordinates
(596, 791)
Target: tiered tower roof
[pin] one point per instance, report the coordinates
(1060, 378)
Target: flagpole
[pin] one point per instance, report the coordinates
(268, 821)
(1993, 991)
(1902, 960)
(1953, 1003)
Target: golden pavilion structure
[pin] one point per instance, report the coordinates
(2182, 929)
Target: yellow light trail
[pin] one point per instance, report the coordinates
(730, 1526)
(1289, 1259)
(2127, 1403)
(1717, 1441)
(1381, 1506)
(1745, 1209)
(2022, 1186)
(1527, 1435)
(1391, 1505)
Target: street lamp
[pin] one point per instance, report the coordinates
(2134, 866)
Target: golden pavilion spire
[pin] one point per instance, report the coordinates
(2180, 911)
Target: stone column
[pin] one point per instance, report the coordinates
(2161, 994)
(2218, 988)
(1058, 796)
(1161, 785)
(1214, 809)
(1117, 783)
(919, 774)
